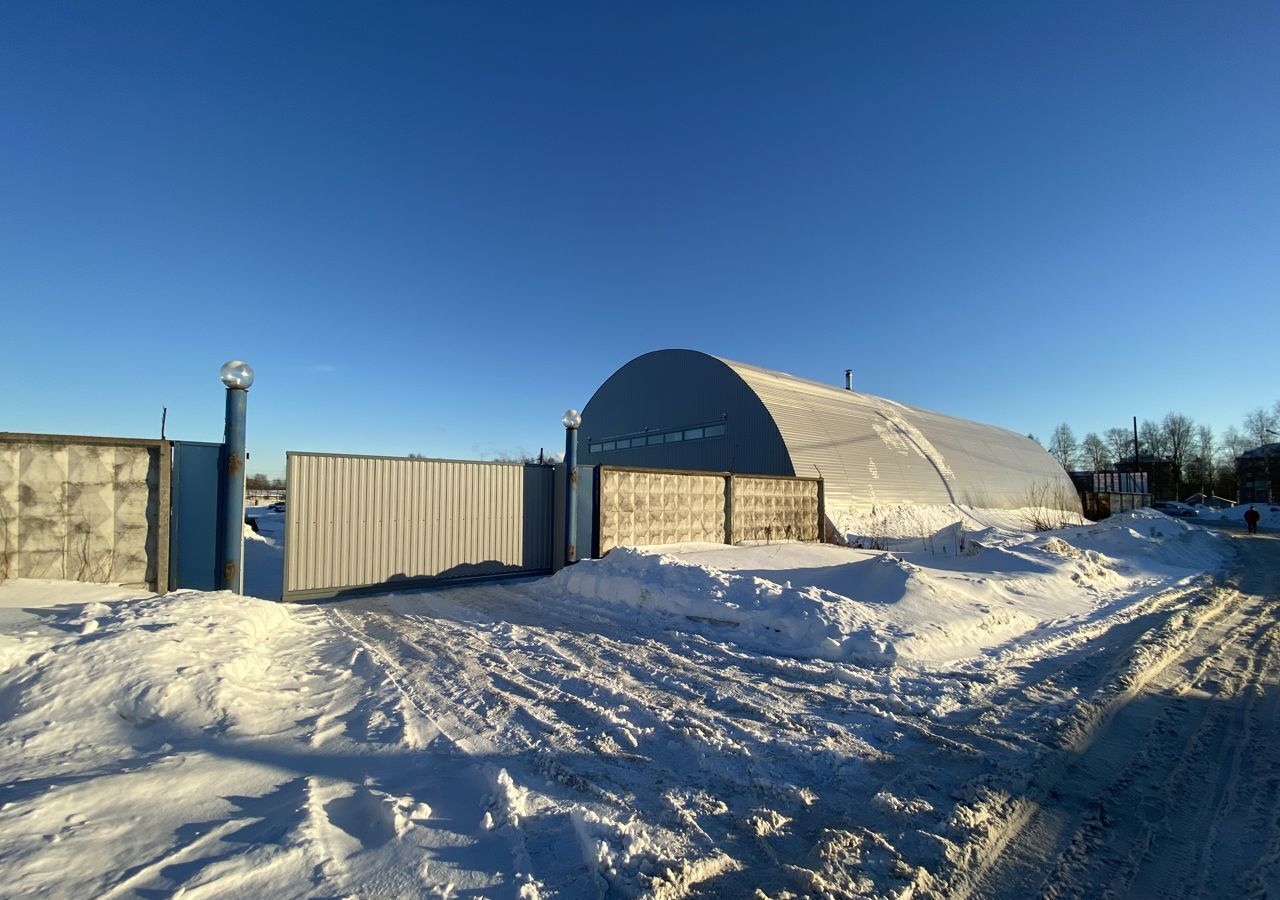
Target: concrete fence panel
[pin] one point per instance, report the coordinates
(638, 507)
(775, 509)
(84, 509)
(354, 523)
(645, 507)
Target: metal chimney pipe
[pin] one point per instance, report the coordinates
(848, 379)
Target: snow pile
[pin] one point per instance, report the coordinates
(1148, 541)
(211, 743)
(796, 621)
(953, 595)
(112, 713)
(915, 526)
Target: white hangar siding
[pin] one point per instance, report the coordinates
(681, 409)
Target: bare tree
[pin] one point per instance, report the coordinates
(1234, 443)
(518, 455)
(1177, 430)
(1152, 438)
(1259, 422)
(1096, 452)
(1063, 446)
(1119, 442)
(1201, 468)
(1050, 505)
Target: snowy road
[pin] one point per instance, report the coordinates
(1135, 754)
(529, 740)
(1176, 791)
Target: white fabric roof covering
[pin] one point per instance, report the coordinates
(873, 452)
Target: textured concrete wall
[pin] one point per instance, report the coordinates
(641, 508)
(82, 511)
(774, 509)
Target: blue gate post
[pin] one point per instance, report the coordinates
(571, 420)
(237, 376)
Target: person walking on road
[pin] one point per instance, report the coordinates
(1251, 518)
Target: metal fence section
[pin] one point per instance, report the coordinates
(84, 508)
(353, 523)
(643, 507)
(194, 560)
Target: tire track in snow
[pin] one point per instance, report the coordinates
(1152, 828)
(1012, 849)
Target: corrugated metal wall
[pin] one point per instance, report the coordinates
(356, 522)
(84, 508)
(639, 507)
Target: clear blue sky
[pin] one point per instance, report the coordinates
(433, 227)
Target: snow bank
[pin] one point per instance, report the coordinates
(115, 718)
(911, 526)
(1269, 515)
(797, 621)
(211, 744)
(949, 598)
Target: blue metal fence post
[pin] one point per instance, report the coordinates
(237, 376)
(571, 420)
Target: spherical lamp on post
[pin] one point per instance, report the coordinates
(238, 377)
(571, 420)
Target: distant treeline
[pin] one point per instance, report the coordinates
(1181, 456)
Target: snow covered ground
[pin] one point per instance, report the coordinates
(697, 720)
(264, 554)
(1268, 515)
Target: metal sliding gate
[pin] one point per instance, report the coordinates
(356, 523)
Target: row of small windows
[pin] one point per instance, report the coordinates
(658, 437)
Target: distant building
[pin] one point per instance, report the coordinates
(1162, 480)
(1258, 474)
(1103, 494)
(1210, 501)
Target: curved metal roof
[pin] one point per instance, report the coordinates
(872, 451)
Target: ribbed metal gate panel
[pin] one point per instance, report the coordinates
(355, 523)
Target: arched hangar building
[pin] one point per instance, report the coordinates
(682, 409)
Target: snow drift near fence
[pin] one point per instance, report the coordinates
(806, 621)
(921, 604)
